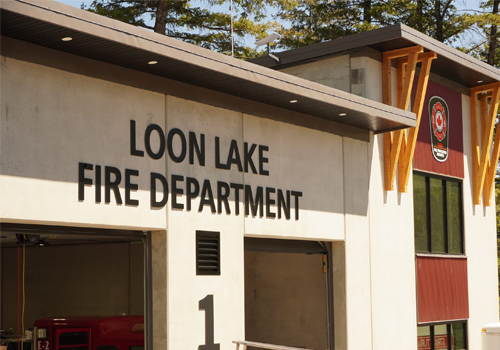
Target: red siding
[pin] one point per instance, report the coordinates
(442, 289)
(423, 158)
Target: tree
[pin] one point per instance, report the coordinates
(207, 26)
(315, 21)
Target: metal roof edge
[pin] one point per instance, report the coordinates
(96, 25)
(449, 52)
(325, 48)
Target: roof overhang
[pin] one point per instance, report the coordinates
(450, 63)
(96, 37)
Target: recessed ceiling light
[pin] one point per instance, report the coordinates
(479, 81)
(294, 101)
(342, 114)
(67, 38)
(152, 62)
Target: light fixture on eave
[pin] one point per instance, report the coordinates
(342, 114)
(152, 62)
(67, 38)
(294, 101)
(266, 41)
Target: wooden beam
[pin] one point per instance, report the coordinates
(404, 100)
(386, 82)
(483, 116)
(387, 99)
(402, 52)
(484, 160)
(400, 81)
(489, 181)
(487, 87)
(406, 157)
(421, 57)
(474, 129)
(394, 142)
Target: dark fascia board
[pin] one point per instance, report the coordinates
(197, 66)
(330, 47)
(450, 63)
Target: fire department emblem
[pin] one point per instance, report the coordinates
(439, 120)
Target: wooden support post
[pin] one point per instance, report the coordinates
(406, 157)
(484, 160)
(393, 141)
(489, 181)
(387, 99)
(474, 130)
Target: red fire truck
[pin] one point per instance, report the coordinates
(89, 333)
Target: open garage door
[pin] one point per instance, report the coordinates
(74, 279)
(288, 293)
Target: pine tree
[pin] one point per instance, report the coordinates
(207, 25)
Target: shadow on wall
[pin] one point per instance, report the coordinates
(47, 132)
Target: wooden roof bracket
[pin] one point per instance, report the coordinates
(400, 145)
(483, 110)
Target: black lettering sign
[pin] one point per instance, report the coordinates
(147, 141)
(237, 188)
(112, 184)
(129, 186)
(207, 304)
(154, 202)
(170, 146)
(207, 191)
(133, 148)
(191, 192)
(194, 146)
(176, 191)
(82, 180)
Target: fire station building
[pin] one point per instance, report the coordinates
(337, 196)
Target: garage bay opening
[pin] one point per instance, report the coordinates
(288, 298)
(63, 286)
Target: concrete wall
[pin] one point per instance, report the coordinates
(376, 264)
(89, 280)
(285, 299)
(299, 159)
(392, 252)
(82, 113)
(50, 121)
(334, 72)
(480, 248)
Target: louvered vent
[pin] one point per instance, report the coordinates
(207, 253)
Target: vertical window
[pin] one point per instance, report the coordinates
(454, 214)
(449, 336)
(421, 213)
(437, 214)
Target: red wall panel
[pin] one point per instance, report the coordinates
(423, 158)
(442, 289)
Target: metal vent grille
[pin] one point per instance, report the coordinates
(207, 253)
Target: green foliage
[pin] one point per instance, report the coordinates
(208, 25)
(315, 21)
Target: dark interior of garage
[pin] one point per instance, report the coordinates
(63, 272)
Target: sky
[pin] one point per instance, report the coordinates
(462, 5)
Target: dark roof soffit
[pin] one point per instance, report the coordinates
(105, 40)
